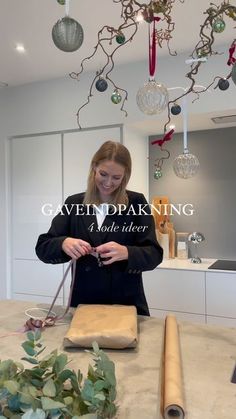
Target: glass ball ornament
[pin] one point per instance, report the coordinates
(233, 75)
(67, 34)
(158, 173)
(116, 97)
(218, 25)
(186, 165)
(223, 84)
(101, 84)
(175, 109)
(152, 98)
(120, 38)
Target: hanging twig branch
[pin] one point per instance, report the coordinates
(130, 10)
(204, 48)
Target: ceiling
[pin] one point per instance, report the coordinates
(30, 22)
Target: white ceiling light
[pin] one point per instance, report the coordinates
(20, 48)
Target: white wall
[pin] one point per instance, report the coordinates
(52, 106)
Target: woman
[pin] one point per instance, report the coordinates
(109, 231)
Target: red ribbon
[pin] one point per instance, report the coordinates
(167, 137)
(231, 59)
(152, 47)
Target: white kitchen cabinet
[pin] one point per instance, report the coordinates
(36, 179)
(179, 291)
(193, 318)
(221, 321)
(192, 292)
(221, 294)
(36, 278)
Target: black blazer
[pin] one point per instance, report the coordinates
(120, 282)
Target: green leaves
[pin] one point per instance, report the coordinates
(11, 386)
(33, 347)
(49, 389)
(28, 346)
(37, 414)
(60, 363)
(49, 404)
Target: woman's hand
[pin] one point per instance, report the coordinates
(75, 248)
(112, 250)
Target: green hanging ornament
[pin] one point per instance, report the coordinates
(62, 2)
(116, 97)
(158, 173)
(218, 25)
(120, 38)
(202, 52)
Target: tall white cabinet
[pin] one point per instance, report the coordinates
(44, 169)
(36, 178)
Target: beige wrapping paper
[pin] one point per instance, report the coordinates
(172, 388)
(111, 326)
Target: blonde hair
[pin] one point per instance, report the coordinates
(109, 151)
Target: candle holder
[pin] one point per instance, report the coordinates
(196, 238)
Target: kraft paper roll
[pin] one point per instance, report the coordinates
(172, 388)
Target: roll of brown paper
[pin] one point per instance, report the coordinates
(172, 388)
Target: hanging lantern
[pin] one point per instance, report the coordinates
(223, 84)
(120, 38)
(234, 73)
(152, 98)
(218, 25)
(101, 84)
(175, 109)
(67, 34)
(116, 97)
(186, 165)
(158, 173)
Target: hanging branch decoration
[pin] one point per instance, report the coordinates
(167, 137)
(109, 37)
(159, 161)
(232, 48)
(214, 23)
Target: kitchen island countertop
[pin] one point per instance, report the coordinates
(186, 264)
(208, 356)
